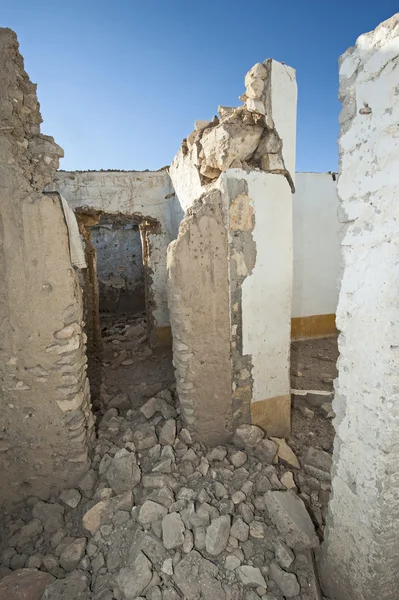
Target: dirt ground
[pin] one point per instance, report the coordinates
(313, 364)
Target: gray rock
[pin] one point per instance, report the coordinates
(318, 459)
(149, 408)
(248, 436)
(151, 511)
(217, 453)
(133, 580)
(18, 561)
(251, 576)
(165, 466)
(74, 586)
(199, 537)
(231, 562)
(240, 530)
(121, 402)
(162, 496)
(159, 480)
(266, 450)
(145, 437)
(88, 482)
(31, 529)
(71, 497)
(123, 473)
(167, 435)
(217, 535)
(196, 578)
(238, 458)
(287, 582)
(288, 513)
(24, 584)
(51, 515)
(73, 554)
(172, 531)
(284, 555)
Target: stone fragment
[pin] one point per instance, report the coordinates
(149, 408)
(120, 401)
(287, 582)
(319, 459)
(228, 141)
(288, 513)
(123, 473)
(172, 531)
(217, 453)
(150, 512)
(285, 453)
(162, 496)
(288, 480)
(31, 529)
(257, 530)
(73, 587)
(238, 497)
(240, 530)
(24, 584)
(217, 535)
(266, 450)
(133, 580)
(185, 436)
(284, 555)
(231, 562)
(168, 433)
(92, 518)
(73, 554)
(188, 543)
(238, 458)
(200, 124)
(159, 480)
(167, 566)
(199, 537)
(248, 436)
(196, 578)
(251, 576)
(145, 437)
(51, 515)
(71, 497)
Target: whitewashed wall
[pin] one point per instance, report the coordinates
(316, 245)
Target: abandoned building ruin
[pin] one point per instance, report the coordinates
(170, 427)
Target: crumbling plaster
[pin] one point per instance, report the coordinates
(46, 422)
(143, 194)
(241, 156)
(360, 559)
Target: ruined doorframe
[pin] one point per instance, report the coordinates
(88, 218)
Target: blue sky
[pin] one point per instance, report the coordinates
(121, 82)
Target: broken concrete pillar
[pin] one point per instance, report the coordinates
(234, 178)
(360, 559)
(44, 405)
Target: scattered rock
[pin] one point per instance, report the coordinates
(133, 580)
(92, 518)
(168, 433)
(217, 535)
(51, 515)
(288, 513)
(172, 530)
(248, 436)
(151, 511)
(123, 473)
(287, 582)
(24, 584)
(251, 576)
(74, 586)
(286, 454)
(196, 578)
(71, 497)
(73, 554)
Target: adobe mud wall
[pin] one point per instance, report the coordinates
(45, 416)
(360, 560)
(144, 195)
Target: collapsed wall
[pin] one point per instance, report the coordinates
(46, 422)
(360, 560)
(235, 175)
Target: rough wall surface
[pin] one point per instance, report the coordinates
(119, 266)
(361, 561)
(145, 195)
(44, 403)
(200, 319)
(249, 156)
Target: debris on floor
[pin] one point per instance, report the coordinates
(160, 516)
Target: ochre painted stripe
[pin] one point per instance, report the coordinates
(312, 327)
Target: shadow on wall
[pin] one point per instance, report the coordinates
(120, 268)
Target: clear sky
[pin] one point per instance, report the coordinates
(121, 82)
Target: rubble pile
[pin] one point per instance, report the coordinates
(160, 516)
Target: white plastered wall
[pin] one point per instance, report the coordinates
(316, 231)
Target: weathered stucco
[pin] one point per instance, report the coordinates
(119, 265)
(45, 417)
(144, 195)
(199, 302)
(241, 155)
(360, 560)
